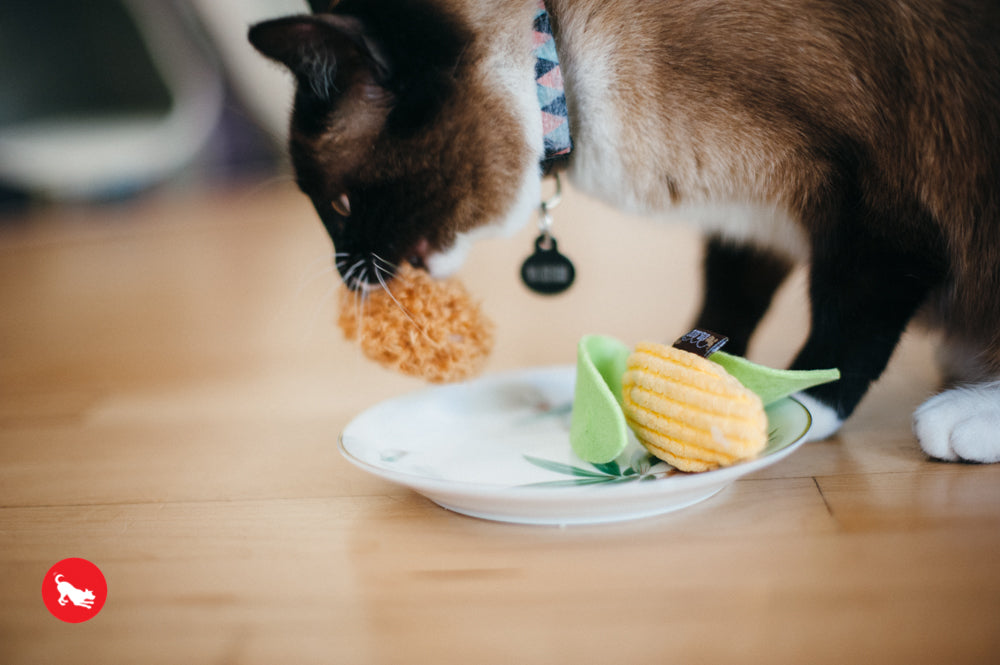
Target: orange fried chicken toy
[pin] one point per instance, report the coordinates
(419, 326)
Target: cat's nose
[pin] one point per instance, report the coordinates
(418, 255)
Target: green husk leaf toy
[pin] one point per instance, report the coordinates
(598, 429)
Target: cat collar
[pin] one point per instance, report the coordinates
(551, 92)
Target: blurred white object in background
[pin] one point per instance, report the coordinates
(264, 87)
(98, 149)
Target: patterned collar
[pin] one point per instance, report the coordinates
(551, 93)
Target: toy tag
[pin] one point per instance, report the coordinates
(547, 271)
(701, 342)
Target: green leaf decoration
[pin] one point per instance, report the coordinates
(598, 433)
(611, 468)
(640, 470)
(772, 384)
(578, 482)
(566, 469)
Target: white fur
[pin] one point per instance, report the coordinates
(444, 264)
(962, 424)
(762, 224)
(588, 67)
(825, 421)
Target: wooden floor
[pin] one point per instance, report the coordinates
(171, 391)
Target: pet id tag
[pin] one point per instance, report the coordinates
(547, 271)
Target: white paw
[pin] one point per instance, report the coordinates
(961, 424)
(825, 421)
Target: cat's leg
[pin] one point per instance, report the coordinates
(864, 290)
(740, 282)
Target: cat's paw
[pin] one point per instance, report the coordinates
(825, 421)
(962, 424)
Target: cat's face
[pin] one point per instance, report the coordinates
(398, 134)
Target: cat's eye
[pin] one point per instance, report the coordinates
(342, 205)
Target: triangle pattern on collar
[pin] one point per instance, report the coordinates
(551, 91)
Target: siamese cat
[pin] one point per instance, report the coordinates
(860, 137)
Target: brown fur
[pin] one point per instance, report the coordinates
(771, 98)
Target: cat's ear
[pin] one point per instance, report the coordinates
(322, 51)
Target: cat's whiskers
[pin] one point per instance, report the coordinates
(360, 296)
(349, 275)
(385, 287)
(386, 265)
(392, 270)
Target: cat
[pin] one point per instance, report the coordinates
(862, 138)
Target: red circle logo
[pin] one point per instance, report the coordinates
(74, 590)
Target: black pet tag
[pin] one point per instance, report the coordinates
(547, 271)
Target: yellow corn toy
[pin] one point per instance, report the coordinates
(688, 411)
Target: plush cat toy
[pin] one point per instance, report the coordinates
(859, 137)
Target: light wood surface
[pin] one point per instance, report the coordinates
(171, 391)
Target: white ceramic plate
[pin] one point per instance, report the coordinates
(498, 448)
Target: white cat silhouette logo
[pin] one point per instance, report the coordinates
(70, 594)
